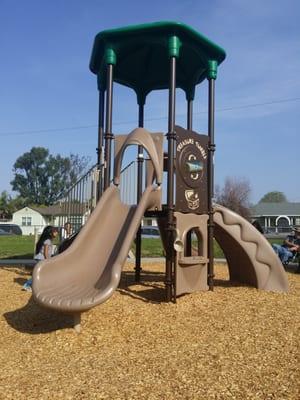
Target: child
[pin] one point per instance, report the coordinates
(66, 231)
(44, 249)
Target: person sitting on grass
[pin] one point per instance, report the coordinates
(44, 249)
(289, 248)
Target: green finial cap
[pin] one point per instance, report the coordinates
(110, 56)
(174, 46)
(212, 69)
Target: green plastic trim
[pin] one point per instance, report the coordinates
(141, 55)
(174, 46)
(110, 56)
(212, 69)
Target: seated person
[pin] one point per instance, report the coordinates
(44, 249)
(290, 247)
(66, 231)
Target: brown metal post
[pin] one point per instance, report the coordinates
(171, 136)
(108, 125)
(100, 141)
(210, 180)
(140, 160)
(188, 247)
(190, 114)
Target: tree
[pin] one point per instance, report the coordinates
(235, 196)
(9, 205)
(273, 197)
(41, 178)
(5, 208)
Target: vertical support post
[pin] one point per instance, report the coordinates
(190, 114)
(171, 136)
(72, 204)
(110, 58)
(140, 161)
(69, 205)
(100, 141)
(212, 74)
(188, 246)
(77, 208)
(174, 45)
(36, 238)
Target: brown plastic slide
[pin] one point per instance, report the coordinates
(249, 255)
(89, 271)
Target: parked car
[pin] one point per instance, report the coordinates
(3, 233)
(151, 232)
(10, 229)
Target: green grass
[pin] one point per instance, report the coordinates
(22, 247)
(153, 248)
(16, 246)
(278, 241)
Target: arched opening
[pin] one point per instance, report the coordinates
(283, 224)
(193, 245)
(128, 183)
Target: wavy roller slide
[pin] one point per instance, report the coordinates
(250, 256)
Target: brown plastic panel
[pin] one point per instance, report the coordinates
(191, 272)
(193, 260)
(152, 142)
(191, 187)
(250, 256)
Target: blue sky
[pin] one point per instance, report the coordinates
(45, 83)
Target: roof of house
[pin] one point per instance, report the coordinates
(48, 210)
(275, 209)
(60, 209)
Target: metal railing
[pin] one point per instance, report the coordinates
(278, 229)
(81, 199)
(128, 183)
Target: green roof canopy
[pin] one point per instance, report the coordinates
(141, 54)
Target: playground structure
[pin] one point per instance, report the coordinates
(163, 55)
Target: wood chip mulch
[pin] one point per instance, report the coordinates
(234, 343)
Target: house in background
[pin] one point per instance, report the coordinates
(32, 219)
(277, 217)
(273, 217)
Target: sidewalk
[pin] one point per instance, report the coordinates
(17, 262)
(31, 263)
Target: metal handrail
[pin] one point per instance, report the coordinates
(81, 198)
(76, 183)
